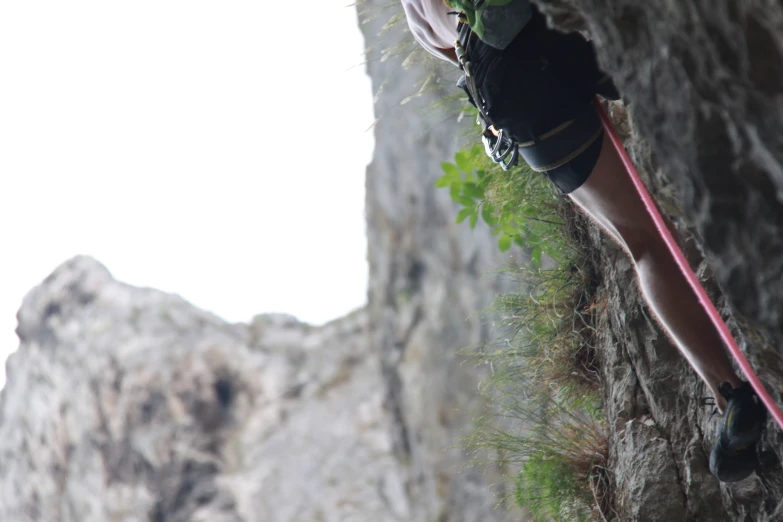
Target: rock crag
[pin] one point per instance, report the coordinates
(703, 82)
(129, 404)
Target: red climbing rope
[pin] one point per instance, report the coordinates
(663, 230)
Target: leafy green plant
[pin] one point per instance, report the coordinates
(520, 206)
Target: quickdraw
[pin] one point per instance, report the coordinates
(501, 148)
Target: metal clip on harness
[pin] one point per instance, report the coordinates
(501, 148)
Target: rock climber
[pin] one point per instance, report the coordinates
(534, 88)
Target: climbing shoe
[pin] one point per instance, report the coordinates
(734, 457)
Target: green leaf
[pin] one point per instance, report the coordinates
(450, 169)
(504, 243)
(535, 256)
(474, 218)
(473, 191)
(466, 201)
(488, 214)
(455, 190)
(463, 161)
(443, 181)
(508, 229)
(464, 213)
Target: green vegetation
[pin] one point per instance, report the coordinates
(519, 207)
(546, 423)
(556, 448)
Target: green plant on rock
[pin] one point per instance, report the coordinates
(549, 334)
(564, 476)
(520, 206)
(558, 447)
(543, 385)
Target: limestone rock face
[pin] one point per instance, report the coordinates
(128, 404)
(705, 80)
(429, 279)
(703, 83)
(660, 434)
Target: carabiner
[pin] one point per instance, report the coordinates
(501, 149)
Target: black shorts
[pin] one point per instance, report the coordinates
(568, 152)
(541, 92)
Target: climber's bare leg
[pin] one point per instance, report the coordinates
(610, 198)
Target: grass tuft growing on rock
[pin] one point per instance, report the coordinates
(557, 448)
(549, 332)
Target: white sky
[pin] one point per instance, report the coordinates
(211, 149)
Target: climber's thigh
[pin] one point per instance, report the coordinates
(610, 198)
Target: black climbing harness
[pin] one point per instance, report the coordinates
(498, 145)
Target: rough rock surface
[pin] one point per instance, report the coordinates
(703, 80)
(130, 404)
(430, 277)
(127, 404)
(661, 436)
